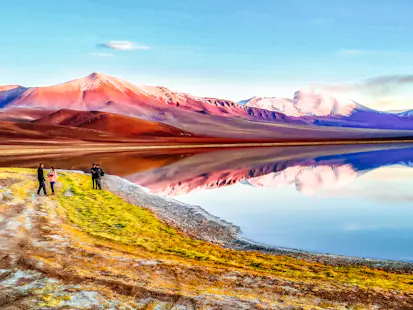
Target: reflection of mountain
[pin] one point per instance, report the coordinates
(117, 163)
(309, 168)
(308, 179)
(178, 172)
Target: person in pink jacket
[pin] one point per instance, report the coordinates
(52, 178)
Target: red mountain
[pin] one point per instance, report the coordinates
(105, 93)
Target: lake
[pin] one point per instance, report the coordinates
(353, 200)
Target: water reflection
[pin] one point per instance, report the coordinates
(349, 199)
(307, 168)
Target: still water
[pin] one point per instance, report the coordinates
(348, 200)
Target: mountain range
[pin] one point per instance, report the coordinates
(118, 108)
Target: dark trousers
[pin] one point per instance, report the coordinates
(98, 185)
(94, 182)
(41, 185)
(52, 186)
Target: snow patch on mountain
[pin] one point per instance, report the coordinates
(161, 92)
(277, 104)
(306, 102)
(310, 102)
(408, 113)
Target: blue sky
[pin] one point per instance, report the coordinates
(228, 48)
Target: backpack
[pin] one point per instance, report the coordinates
(102, 173)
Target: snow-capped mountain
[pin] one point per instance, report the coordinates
(305, 103)
(278, 104)
(322, 104)
(323, 109)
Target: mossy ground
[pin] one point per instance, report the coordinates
(108, 236)
(105, 215)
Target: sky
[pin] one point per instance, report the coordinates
(233, 49)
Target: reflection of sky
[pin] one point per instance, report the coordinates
(369, 217)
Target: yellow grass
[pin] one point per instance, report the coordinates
(105, 215)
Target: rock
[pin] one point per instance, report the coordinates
(6, 196)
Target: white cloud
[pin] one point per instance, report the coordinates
(103, 55)
(124, 45)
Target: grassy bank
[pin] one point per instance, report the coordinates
(105, 215)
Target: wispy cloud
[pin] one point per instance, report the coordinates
(378, 86)
(360, 52)
(124, 46)
(102, 55)
(350, 52)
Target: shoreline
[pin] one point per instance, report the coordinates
(57, 250)
(196, 222)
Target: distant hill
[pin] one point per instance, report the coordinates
(111, 123)
(43, 132)
(23, 114)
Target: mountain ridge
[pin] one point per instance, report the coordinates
(99, 91)
(309, 116)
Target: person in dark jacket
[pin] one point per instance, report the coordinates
(92, 172)
(41, 179)
(98, 176)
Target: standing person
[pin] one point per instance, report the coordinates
(41, 179)
(52, 178)
(99, 173)
(92, 171)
